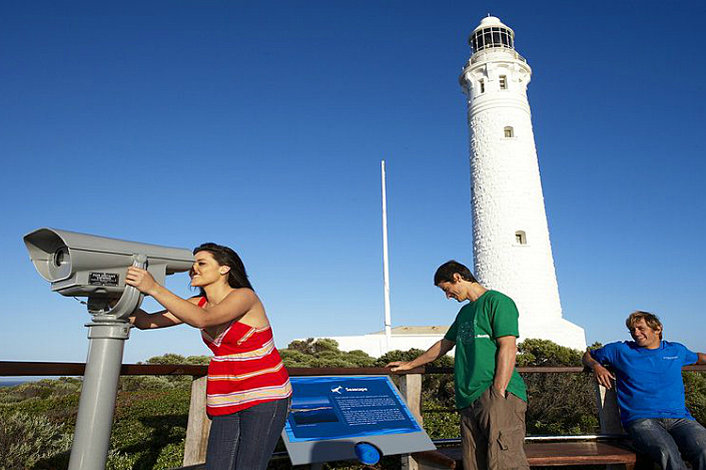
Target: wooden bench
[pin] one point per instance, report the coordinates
(542, 453)
(559, 452)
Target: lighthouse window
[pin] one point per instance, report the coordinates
(509, 132)
(520, 237)
(491, 37)
(503, 82)
(505, 38)
(481, 86)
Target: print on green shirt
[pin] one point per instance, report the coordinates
(475, 330)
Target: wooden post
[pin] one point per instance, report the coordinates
(608, 415)
(198, 425)
(411, 389)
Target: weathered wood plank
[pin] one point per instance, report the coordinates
(411, 390)
(198, 425)
(546, 454)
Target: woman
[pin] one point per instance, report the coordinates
(248, 387)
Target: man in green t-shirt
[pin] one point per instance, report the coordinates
(490, 394)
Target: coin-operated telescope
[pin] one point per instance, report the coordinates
(81, 265)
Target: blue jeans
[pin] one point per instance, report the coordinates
(245, 440)
(665, 440)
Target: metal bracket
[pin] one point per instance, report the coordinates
(129, 301)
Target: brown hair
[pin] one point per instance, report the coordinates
(651, 320)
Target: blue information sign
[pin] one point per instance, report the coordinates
(337, 407)
(343, 418)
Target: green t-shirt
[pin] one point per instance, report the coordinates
(474, 331)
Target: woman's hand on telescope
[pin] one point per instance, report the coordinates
(140, 279)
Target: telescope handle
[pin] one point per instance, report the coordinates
(129, 301)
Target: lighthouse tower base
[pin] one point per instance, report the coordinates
(560, 331)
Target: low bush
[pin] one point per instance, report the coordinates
(26, 439)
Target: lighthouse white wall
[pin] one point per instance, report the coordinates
(511, 247)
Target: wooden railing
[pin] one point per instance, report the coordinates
(198, 425)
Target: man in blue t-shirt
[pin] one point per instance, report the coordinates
(650, 393)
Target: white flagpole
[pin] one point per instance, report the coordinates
(385, 261)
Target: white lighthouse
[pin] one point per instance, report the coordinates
(511, 247)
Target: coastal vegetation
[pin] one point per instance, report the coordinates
(37, 418)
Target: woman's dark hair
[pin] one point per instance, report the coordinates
(224, 256)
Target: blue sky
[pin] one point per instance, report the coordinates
(261, 125)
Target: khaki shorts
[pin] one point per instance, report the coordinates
(493, 432)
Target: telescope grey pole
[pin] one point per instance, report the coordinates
(106, 335)
(100, 387)
(78, 264)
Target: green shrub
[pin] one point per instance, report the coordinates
(695, 385)
(57, 409)
(134, 383)
(152, 382)
(26, 439)
(322, 352)
(397, 355)
(543, 352)
(120, 461)
(171, 358)
(44, 388)
(150, 427)
(314, 346)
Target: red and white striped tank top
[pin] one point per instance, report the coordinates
(246, 369)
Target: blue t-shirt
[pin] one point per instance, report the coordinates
(649, 382)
